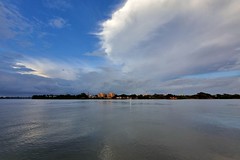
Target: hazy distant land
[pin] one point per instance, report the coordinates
(200, 95)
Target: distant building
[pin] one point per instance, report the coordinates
(92, 96)
(111, 95)
(101, 95)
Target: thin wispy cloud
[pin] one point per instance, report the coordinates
(18, 31)
(46, 68)
(68, 69)
(12, 22)
(58, 23)
(194, 85)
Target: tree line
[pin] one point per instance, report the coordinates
(200, 95)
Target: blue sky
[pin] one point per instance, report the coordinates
(59, 28)
(123, 46)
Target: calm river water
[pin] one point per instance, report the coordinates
(120, 130)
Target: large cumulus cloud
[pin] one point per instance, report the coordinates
(165, 39)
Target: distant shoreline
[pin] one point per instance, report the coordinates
(112, 96)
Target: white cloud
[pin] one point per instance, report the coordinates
(66, 70)
(58, 23)
(165, 39)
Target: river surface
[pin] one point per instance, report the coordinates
(120, 130)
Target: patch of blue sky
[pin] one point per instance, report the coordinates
(215, 75)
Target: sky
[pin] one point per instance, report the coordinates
(121, 46)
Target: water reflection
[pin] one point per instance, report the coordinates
(116, 130)
(106, 153)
